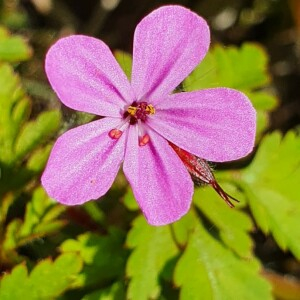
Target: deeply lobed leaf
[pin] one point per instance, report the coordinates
(208, 270)
(104, 256)
(270, 182)
(153, 248)
(233, 224)
(46, 281)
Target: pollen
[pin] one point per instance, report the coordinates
(139, 111)
(150, 109)
(142, 107)
(132, 110)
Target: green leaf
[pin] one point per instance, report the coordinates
(14, 106)
(13, 285)
(153, 248)
(50, 279)
(114, 292)
(129, 200)
(38, 159)
(208, 270)
(41, 212)
(125, 61)
(40, 220)
(263, 100)
(95, 212)
(11, 236)
(244, 68)
(104, 256)
(270, 183)
(23, 144)
(34, 133)
(233, 224)
(13, 48)
(183, 228)
(6, 201)
(18, 138)
(46, 281)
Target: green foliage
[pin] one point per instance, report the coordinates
(153, 247)
(125, 61)
(23, 153)
(36, 132)
(129, 200)
(270, 184)
(104, 256)
(114, 292)
(39, 221)
(242, 68)
(13, 48)
(206, 263)
(46, 281)
(23, 148)
(233, 224)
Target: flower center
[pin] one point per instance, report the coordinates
(136, 113)
(139, 111)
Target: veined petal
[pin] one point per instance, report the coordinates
(168, 44)
(215, 124)
(84, 163)
(161, 184)
(86, 77)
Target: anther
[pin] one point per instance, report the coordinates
(150, 109)
(144, 140)
(115, 133)
(132, 110)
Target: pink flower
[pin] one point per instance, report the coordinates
(141, 116)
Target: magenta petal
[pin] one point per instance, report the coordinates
(168, 44)
(84, 163)
(86, 77)
(215, 124)
(160, 182)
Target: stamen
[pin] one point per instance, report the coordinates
(150, 109)
(115, 133)
(144, 140)
(140, 110)
(132, 110)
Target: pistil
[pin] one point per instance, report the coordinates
(135, 114)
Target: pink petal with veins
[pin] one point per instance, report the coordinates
(161, 184)
(86, 77)
(84, 163)
(168, 44)
(215, 124)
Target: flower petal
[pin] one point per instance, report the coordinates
(168, 44)
(161, 184)
(86, 77)
(84, 163)
(215, 124)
